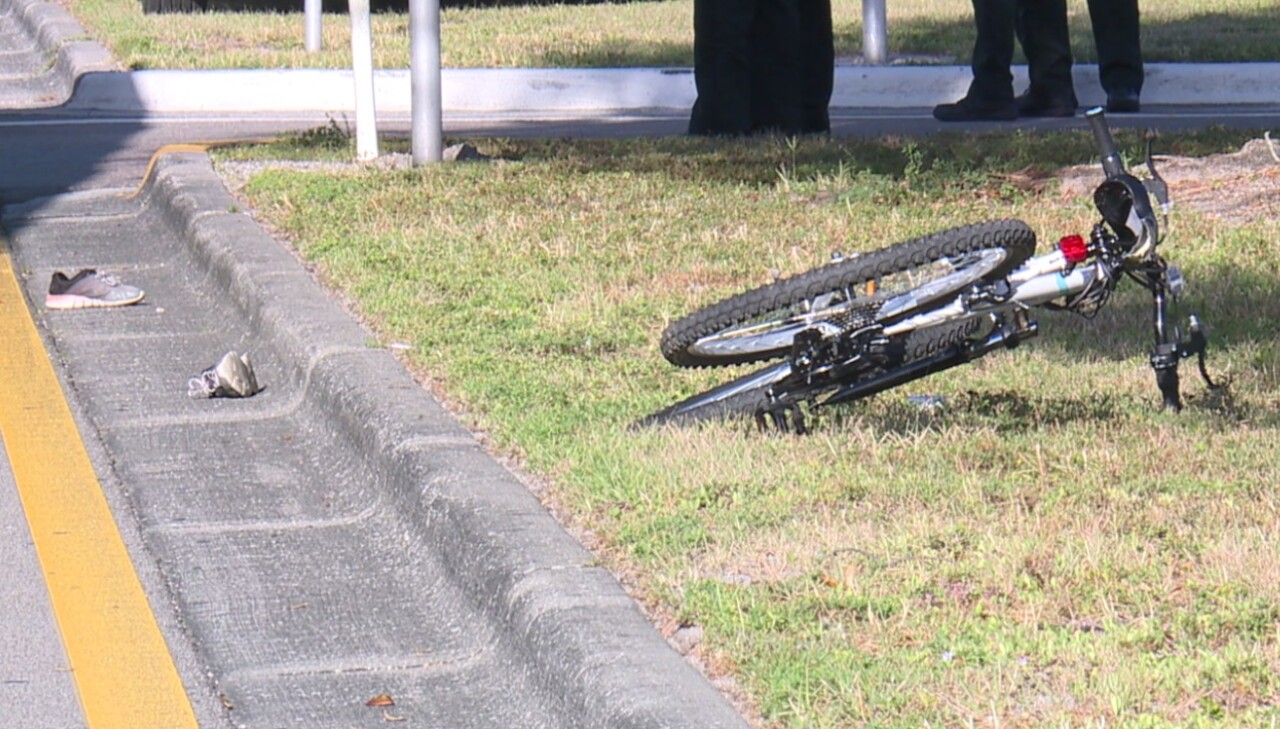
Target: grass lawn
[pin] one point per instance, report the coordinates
(640, 33)
(1048, 549)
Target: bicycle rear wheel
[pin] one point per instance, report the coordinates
(760, 324)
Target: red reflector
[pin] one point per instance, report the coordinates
(1074, 248)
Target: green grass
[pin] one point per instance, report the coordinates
(642, 33)
(1047, 550)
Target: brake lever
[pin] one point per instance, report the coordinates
(1197, 346)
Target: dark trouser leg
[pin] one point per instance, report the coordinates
(722, 66)
(1116, 33)
(993, 51)
(1046, 42)
(775, 67)
(817, 65)
(990, 96)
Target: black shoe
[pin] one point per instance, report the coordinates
(970, 109)
(1043, 105)
(1123, 102)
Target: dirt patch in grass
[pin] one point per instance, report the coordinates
(1236, 188)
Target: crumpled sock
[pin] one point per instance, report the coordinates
(233, 376)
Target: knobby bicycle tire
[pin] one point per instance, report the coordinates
(715, 404)
(782, 297)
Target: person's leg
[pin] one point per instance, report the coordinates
(817, 66)
(1116, 32)
(722, 66)
(990, 94)
(993, 50)
(1046, 42)
(775, 67)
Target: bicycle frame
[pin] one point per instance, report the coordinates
(1038, 281)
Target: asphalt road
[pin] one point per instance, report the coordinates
(36, 687)
(46, 152)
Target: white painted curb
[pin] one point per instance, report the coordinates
(543, 91)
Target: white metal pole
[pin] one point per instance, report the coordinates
(424, 78)
(311, 10)
(362, 70)
(874, 41)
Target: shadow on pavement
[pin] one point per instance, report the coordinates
(44, 149)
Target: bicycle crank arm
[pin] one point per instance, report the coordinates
(1005, 337)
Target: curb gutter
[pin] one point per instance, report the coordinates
(574, 629)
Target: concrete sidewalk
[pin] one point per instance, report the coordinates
(549, 91)
(80, 77)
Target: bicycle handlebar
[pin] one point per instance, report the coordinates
(1111, 162)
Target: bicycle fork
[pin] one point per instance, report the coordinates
(1169, 349)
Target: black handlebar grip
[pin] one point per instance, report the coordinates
(1111, 162)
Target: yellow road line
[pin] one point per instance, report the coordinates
(123, 670)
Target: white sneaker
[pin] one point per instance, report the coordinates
(89, 289)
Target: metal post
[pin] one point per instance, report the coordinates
(874, 42)
(424, 79)
(362, 70)
(311, 10)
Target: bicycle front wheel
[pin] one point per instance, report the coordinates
(761, 324)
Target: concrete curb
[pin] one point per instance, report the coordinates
(575, 630)
(52, 28)
(613, 90)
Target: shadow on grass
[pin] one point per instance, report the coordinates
(916, 166)
(1022, 412)
(1006, 410)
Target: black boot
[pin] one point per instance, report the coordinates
(971, 108)
(1123, 101)
(1035, 104)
